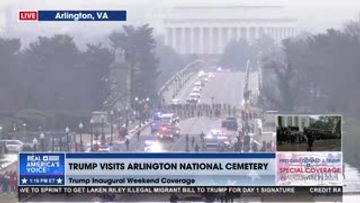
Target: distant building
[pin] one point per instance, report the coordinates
(295, 121)
(206, 30)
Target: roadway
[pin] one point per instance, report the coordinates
(225, 88)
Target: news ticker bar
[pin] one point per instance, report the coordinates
(73, 15)
(181, 169)
(269, 193)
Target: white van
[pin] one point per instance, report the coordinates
(12, 145)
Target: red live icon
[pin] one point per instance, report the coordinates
(28, 15)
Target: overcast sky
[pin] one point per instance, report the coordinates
(312, 15)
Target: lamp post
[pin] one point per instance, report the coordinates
(102, 129)
(35, 143)
(111, 126)
(24, 125)
(137, 106)
(91, 134)
(147, 107)
(67, 130)
(126, 118)
(118, 116)
(60, 143)
(42, 137)
(102, 124)
(52, 142)
(81, 126)
(2, 146)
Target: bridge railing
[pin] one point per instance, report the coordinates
(178, 80)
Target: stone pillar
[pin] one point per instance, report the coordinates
(201, 40)
(183, 40)
(247, 34)
(197, 40)
(271, 29)
(219, 41)
(280, 34)
(243, 33)
(261, 32)
(256, 33)
(166, 37)
(288, 32)
(229, 30)
(238, 33)
(191, 50)
(173, 41)
(178, 39)
(211, 41)
(265, 29)
(188, 42)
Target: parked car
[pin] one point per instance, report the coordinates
(12, 145)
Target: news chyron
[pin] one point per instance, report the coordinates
(301, 166)
(72, 15)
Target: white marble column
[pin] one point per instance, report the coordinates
(186, 40)
(229, 30)
(247, 31)
(173, 41)
(288, 32)
(211, 41)
(243, 33)
(238, 33)
(272, 33)
(279, 34)
(191, 50)
(219, 40)
(266, 31)
(285, 33)
(253, 34)
(197, 40)
(201, 39)
(256, 33)
(261, 32)
(183, 40)
(166, 37)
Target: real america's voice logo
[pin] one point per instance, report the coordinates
(72, 15)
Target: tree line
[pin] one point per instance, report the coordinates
(237, 52)
(314, 73)
(53, 73)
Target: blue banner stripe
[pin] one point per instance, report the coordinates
(172, 155)
(82, 15)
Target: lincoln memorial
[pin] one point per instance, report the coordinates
(206, 30)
